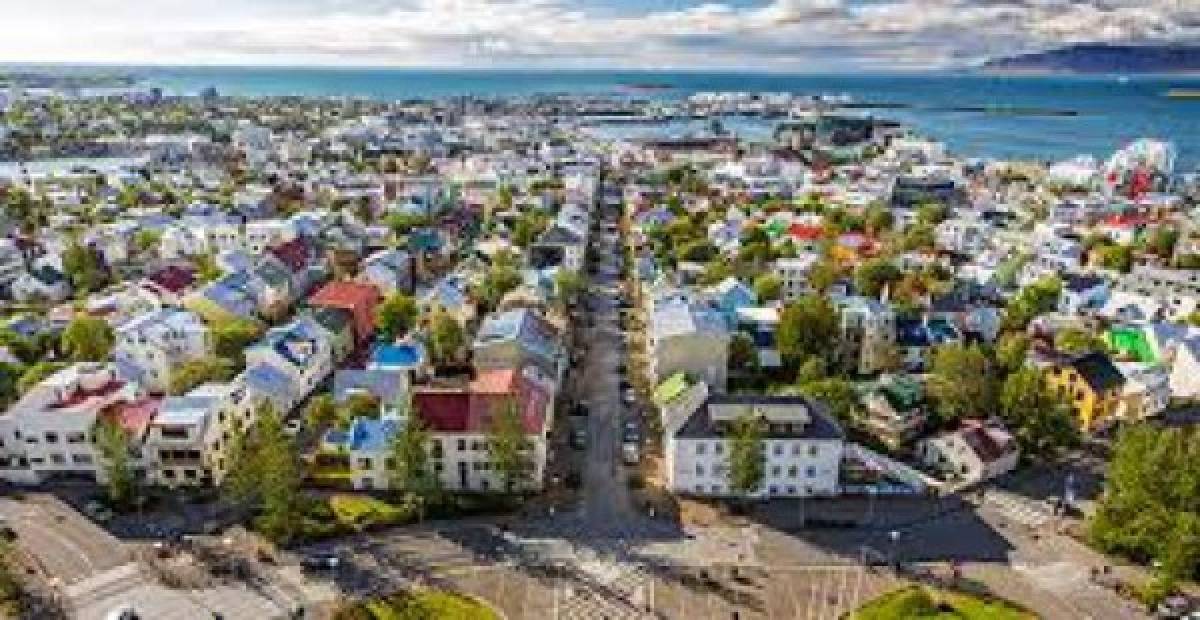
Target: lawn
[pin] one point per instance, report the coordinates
(360, 511)
(921, 603)
(424, 605)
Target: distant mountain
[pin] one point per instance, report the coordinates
(1104, 58)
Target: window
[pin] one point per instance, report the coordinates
(81, 459)
(699, 488)
(462, 445)
(700, 448)
(778, 449)
(76, 437)
(795, 449)
(718, 448)
(169, 474)
(776, 470)
(58, 459)
(812, 450)
(810, 472)
(51, 437)
(699, 469)
(190, 474)
(793, 471)
(438, 467)
(364, 463)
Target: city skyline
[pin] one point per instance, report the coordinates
(779, 35)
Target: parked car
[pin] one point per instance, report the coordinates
(579, 439)
(630, 453)
(580, 410)
(98, 512)
(320, 561)
(630, 433)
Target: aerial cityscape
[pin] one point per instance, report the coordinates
(534, 309)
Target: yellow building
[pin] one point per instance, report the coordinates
(1092, 385)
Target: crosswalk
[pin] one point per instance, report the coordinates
(1020, 509)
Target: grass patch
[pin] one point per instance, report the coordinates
(423, 605)
(921, 603)
(361, 511)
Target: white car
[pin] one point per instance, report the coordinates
(630, 454)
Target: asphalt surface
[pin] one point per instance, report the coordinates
(607, 501)
(66, 545)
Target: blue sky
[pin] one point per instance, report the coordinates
(774, 35)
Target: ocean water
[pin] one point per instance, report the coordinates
(1111, 110)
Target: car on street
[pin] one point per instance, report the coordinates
(628, 397)
(630, 432)
(98, 512)
(579, 439)
(580, 410)
(320, 561)
(630, 453)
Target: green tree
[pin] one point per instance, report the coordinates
(87, 339)
(747, 455)
(813, 369)
(1116, 257)
(699, 251)
(146, 239)
(395, 316)
(113, 444)
(768, 287)
(412, 471)
(961, 382)
(807, 327)
(10, 375)
(1076, 341)
(743, 356)
(508, 449)
(1149, 508)
(1011, 351)
(931, 213)
(527, 228)
(499, 280)
(322, 412)
(568, 285)
(36, 373)
(194, 372)
(1162, 241)
(230, 338)
(1041, 421)
(83, 267)
(1037, 298)
(446, 339)
(873, 275)
(839, 395)
(206, 268)
(823, 275)
(879, 220)
(264, 474)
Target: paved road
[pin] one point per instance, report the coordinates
(606, 496)
(66, 546)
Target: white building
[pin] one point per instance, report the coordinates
(683, 337)
(187, 443)
(803, 445)
(49, 432)
(794, 273)
(150, 347)
(976, 452)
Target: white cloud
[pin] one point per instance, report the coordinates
(781, 34)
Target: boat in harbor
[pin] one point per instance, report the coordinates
(1184, 93)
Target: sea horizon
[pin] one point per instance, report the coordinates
(1107, 111)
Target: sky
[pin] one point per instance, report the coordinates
(764, 35)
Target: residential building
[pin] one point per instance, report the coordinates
(151, 346)
(356, 298)
(1082, 293)
(1092, 385)
(803, 446)
(976, 452)
(794, 275)
(894, 412)
(688, 338)
(390, 271)
(868, 334)
(188, 441)
(289, 363)
(517, 338)
(48, 433)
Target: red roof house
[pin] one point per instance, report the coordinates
(355, 297)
